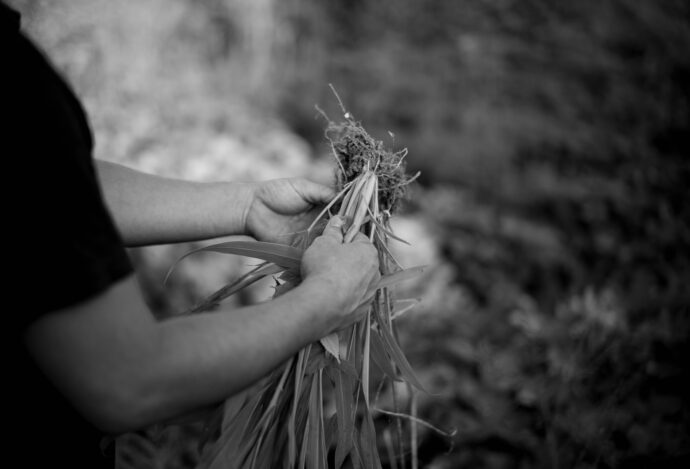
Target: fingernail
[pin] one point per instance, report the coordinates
(337, 221)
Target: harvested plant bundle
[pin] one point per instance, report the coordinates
(281, 422)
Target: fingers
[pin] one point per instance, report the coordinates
(334, 228)
(312, 192)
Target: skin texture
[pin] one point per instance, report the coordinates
(150, 209)
(124, 370)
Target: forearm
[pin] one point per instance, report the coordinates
(125, 370)
(239, 347)
(149, 209)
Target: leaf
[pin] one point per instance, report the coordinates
(332, 345)
(348, 368)
(351, 196)
(280, 254)
(400, 276)
(385, 230)
(356, 455)
(396, 277)
(292, 432)
(381, 358)
(332, 430)
(364, 447)
(411, 303)
(232, 437)
(304, 449)
(397, 354)
(327, 207)
(344, 410)
(276, 393)
(243, 282)
(316, 362)
(323, 454)
(369, 450)
(383, 248)
(366, 358)
(313, 444)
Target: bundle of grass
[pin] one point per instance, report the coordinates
(283, 420)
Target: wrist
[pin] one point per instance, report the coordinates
(317, 296)
(238, 198)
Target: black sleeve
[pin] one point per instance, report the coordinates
(66, 248)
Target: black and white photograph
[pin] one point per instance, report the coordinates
(347, 234)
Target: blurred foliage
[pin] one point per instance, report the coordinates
(553, 141)
(553, 138)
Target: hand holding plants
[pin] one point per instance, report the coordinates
(280, 208)
(343, 274)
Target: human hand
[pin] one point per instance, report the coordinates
(281, 208)
(341, 273)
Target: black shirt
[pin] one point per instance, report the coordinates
(65, 246)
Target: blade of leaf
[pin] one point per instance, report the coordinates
(313, 425)
(330, 204)
(304, 448)
(411, 303)
(397, 354)
(366, 358)
(280, 254)
(323, 464)
(332, 431)
(365, 446)
(383, 248)
(356, 455)
(368, 438)
(381, 358)
(299, 374)
(344, 407)
(385, 230)
(396, 277)
(243, 282)
(332, 345)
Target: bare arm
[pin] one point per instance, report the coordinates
(124, 370)
(150, 209)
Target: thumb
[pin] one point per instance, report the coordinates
(314, 192)
(334, 228)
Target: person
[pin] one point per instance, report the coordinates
(88, 357)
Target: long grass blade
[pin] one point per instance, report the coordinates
(366, 357)
(292, 433)
(380, 356)
(362, 207)
(323, 464)
(388, 441)
(382, 247)
(329, 205)
(413, 430)
(424, 423)
(385, 230)
(397, 354)
(351, 197)
(263, 422)
(280, 254)
(215, 298)
(400, 276)
(369, 451)
(395, 278)
(313, 459)
(344, 407)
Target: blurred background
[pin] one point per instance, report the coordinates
(552, 139)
